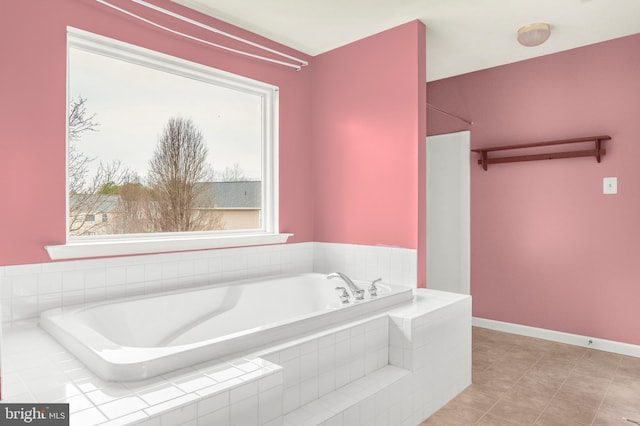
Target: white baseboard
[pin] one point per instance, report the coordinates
(558, 336)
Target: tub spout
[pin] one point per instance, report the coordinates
(358, 293)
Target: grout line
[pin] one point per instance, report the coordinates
(593, 421)
(582, 359)
(487, 412)
(558, 390)
(530, 368)
(501, 397)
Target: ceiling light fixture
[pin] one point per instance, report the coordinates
(534, 34)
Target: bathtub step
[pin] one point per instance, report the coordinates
(339, 401)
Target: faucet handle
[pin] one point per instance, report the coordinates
(373, 290)
(344, 296)
(359, 294)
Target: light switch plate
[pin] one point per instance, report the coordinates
(610, 185)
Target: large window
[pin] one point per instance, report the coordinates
(159, 146)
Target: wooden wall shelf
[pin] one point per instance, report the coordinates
(597, 152)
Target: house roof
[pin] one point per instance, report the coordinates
(94, 203)
(232, 195)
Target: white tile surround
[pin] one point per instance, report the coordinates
(395, 368)
(27, 290)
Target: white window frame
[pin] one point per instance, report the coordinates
(118, 245)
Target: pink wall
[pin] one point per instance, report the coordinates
(368, 122)
(548, 249)
(33, 87)
(360, 107)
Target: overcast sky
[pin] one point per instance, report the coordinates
(133, 103)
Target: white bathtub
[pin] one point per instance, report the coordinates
(140, 337)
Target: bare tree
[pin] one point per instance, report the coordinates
(83, 203)
(79, 123)
(79, 120)
(234, 174)
(179, 162)
(133, 209)
(86, 202)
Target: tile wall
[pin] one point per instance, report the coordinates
(28, 290)
(332, 379)
(321, 365)
(433, 341)
(393, 264)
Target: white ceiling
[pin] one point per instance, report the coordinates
(462, 35)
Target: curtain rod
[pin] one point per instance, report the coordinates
(449, 114)
(217, 31)
(297, 67)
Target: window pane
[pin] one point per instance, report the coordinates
(156, 151)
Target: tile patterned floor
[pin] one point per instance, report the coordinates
(519, 380)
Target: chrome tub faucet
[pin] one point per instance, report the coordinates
(373, 290)
(358, 293)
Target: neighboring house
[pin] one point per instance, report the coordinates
(234, 205)
(91, 214)
(238, 203)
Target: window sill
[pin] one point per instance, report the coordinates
(115, 247)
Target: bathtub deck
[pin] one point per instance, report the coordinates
(37, 369)
(426, 343)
